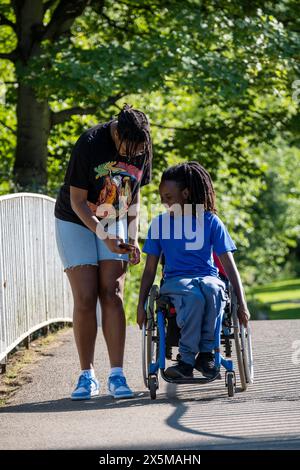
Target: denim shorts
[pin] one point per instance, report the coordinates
(78, 245)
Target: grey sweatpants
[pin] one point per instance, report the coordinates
(198, 302)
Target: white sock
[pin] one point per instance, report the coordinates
(116, 371)
(89, 372)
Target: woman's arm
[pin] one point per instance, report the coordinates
(133, 218)
(233, 275)
(133, 227)
(146, 283)
(78, 199)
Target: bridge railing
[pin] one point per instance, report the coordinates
(34, 290)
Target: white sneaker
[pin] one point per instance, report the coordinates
(118, 388)
(86, 388)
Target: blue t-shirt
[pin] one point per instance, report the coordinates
(188, 243)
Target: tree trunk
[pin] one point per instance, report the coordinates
(30, 168)
(33, 116)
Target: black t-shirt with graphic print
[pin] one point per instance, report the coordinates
(111, 179)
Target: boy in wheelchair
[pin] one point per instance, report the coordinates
(187, 240)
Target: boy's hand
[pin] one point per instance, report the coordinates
(141, 316)
(243, 314)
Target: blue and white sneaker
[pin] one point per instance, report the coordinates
(118, 388)
(86, 388)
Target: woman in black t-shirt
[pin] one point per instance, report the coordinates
(96, 223)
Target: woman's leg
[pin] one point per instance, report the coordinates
(111, 290)
(77, 247)
(84, 284)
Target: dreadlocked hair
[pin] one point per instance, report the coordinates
(197, 180)
(133, 128)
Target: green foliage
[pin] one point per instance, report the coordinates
(278, 300)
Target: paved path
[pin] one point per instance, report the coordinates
(267, 416)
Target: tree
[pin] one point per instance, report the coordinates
(54, 64)
(215, 77)
(80, 57)
(25, 19)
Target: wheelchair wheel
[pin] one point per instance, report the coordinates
(153, 386)
(248, 356)
(243, 346)
(149, 348)
(230, 383)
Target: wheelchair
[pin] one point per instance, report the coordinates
(160, 334)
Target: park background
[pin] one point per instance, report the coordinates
(220, 83)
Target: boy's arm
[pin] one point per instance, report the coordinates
(146, 283)
(233, 275)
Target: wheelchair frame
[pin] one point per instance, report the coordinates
(227, 329)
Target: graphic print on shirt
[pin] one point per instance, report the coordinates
(116, 181)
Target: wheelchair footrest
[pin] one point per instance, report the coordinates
(192, 380)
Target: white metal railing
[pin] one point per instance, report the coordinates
(34, 290)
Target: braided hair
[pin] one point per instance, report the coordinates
(133, 128)
(197, 180)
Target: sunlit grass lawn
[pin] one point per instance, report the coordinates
(282, 296)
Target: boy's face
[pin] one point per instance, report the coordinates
(172, 195)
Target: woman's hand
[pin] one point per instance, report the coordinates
(114, 243)
(117, 245)
(243, 314)
(135, 255)
(141, 316)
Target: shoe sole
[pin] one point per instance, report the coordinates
(207, 376)
(177, 376)
(120, 396)
(88, 397)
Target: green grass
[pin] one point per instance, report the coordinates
(282, 297)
